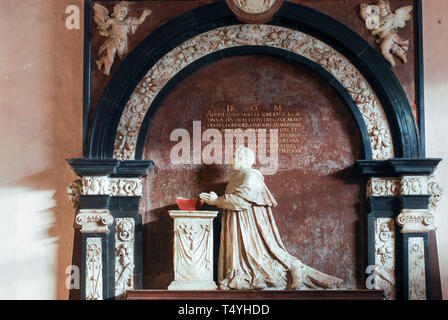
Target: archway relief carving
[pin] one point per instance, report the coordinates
(341, 68)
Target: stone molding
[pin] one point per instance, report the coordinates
(262, 35)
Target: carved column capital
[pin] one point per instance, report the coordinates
(416, 221)
(94, 220)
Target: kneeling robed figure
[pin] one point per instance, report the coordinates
(252, 254)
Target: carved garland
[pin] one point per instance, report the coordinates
(261, 35)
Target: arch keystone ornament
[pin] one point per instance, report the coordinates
(254, 11)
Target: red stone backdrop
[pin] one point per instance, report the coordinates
(319, 194)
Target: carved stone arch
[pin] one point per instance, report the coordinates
(374, 73)
(255, 50)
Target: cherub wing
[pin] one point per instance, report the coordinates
(402, 15)
(101, 15)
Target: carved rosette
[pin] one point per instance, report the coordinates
(378, 187)
(94, 269)
(416, 221)
(261, 35)
(124, 255)
(385, 257)
(416, 271)
(94, 220)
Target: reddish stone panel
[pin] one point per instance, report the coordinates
(318, 215)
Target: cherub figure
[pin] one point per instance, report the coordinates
(116, 29)
(386, 30)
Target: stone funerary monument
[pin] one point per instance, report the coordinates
(297, 123)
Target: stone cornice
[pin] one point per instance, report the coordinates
(397, 167)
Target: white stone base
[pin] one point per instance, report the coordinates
(184, 285)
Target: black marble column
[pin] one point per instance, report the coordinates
(111, 190)
(390, 198)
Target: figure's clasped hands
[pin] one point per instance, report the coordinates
(209, 198)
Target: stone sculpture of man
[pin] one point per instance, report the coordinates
(252, 255)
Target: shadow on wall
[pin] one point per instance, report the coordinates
(39, 220)
(41, 84)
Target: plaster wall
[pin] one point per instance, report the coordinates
(40, 126)
(435, 13)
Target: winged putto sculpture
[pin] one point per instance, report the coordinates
(384, 23)
(116, 29)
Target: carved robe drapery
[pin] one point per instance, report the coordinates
(252, 254)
